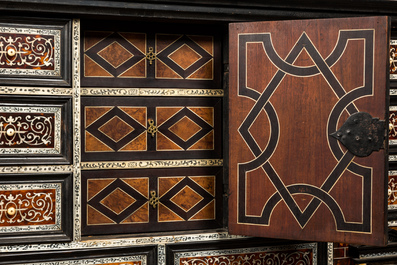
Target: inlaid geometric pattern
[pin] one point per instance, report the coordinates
(117, 201)
(185, 129)
(112, 54)
(186, 198)
(118, 128)
(118, 59)
(115, 129)
(120, 199)
(123, 129)
(115, 54)
(184, 57)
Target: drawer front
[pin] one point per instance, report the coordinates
(150, 200)
(34, 208)
(392, 190)
(34, 128)
(393, 126)
(35, 52)
(150, 59)
(242, 252)
(145, 255)
(393, 59)
(150, 128)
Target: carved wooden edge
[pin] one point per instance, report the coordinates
(151, 164)
(330, 253)
(164, 92)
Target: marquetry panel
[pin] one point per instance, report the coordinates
(150, 59)
(36, 128)
(34, 206)
(151, 200)
(392, 190)
(244, 253)
(393, 125)
(22, 207)
(37, 51)
(309, 126)
(140, 128)
(393, 59)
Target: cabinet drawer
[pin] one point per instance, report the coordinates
(34, 130)
(151, 200)
(150, 128)
(155, 57)
(35, 52)
(250, 251)
(90, 256)
(34, 208)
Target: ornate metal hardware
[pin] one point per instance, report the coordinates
(152, 128)
(361, 134)
(153, 200)
(151, 56)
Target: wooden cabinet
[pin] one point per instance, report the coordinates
(145, 154)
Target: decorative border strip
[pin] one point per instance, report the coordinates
(57, 130)
(393, 76)
(161, 254)
(237, 251)
(163, 92)
(392, 207)
(378, 255)
(186, 238)
(32, 186)
(57, 52)
(392, 158)
(330, 252)
(76, 129)
(53, 91)
(36, 169)
(151, 164)
(94, 261)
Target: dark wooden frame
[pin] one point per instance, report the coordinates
(65, 157)
(78, 254)
(65, 26)
(66, 232)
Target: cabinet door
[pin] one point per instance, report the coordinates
(308, 101)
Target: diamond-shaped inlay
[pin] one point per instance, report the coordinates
(185, 56)
(117, 201)
(185, 128)
(116, 129)
(115, 54)
(186, 198)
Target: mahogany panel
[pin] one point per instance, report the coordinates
(150, 200)
(292, 85)
(150, 128)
